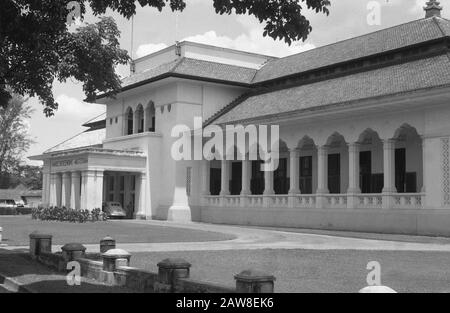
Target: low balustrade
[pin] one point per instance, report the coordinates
(370, 201)
(336, 201)
(408, 200)
(333, 201)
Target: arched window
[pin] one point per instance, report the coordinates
(129, 121)
(151, 116)
(140, 119)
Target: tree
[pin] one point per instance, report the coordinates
(14, 138)
(36, 46)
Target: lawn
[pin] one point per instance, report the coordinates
(16, 230)
(316, 271)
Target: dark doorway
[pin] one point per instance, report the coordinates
(214, 181)
(365, 171)
(334, 173)
(306, 174)
(404, 181)
(280, 179)
(236, 178)
(257, 181)
(400, 169)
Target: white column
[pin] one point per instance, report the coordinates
(58, 190)
(52, 192)
(75, 192)
(225, 178)
(205, 172)
(353, 175)
(180, 210)
(294, 172)
(141, 183)
(389, 172)
(322, 170)
(246, 177)
(98, 190)
(45, 188)
(91, 190)
(322, 175)
(65, 189)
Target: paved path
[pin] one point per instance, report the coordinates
(252, 238)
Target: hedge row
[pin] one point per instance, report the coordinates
(63, 214)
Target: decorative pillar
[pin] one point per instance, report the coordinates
(65, 189)
(75, 192)
(322, 175)
(294, 172)
(147, 119)
(180, 210)
(58, 190)
(52, 192)
(353, 175)
(389, 172)
(246, 177)
(141, 189)
(225, 178)
(91, 190)
(205, 172)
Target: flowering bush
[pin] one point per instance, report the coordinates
(64, 214)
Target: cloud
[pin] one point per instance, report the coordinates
(251, 40)
(70, 107)
(143, 50)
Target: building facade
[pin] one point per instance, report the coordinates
(364, 139)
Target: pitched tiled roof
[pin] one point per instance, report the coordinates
(85, 139)
(197, 68)
(377, 42)
(406, 77)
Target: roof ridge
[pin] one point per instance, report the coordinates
(212, 62)
(48, 150)
(348, 39)
(177, 63)
(435, 19)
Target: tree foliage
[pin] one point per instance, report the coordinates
(14, 138)
(36, 47)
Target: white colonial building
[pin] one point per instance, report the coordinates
(364, 136)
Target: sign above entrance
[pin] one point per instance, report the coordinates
(69, 162)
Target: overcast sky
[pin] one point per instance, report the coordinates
(154, 30)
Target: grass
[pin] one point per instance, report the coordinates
(16, 230)
(316, 271)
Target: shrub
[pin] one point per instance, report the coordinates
(64, 214)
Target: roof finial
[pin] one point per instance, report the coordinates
(432, 9)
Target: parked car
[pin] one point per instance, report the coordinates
(8, 207)
(114, 210)
(8, 203)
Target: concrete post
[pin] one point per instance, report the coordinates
(75, 193)
(225, 178)
(353, 175)
(58, 190)
(73, 251)
(107, 244)
(251, 281)
(40, 243)
(169, 270)
(65, 189)
(322, 175)
(246, 178)
(112, 259)
(389, 172)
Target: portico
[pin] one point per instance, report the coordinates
(85, 178)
